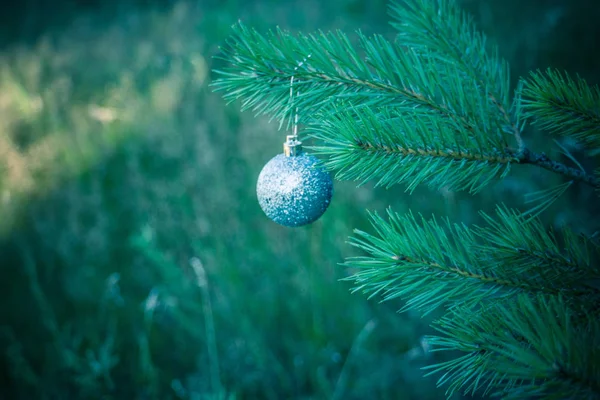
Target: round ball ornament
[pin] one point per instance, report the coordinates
(293, 189)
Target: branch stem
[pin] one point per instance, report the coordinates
(522, 155)
(487, 278)
(541, 160)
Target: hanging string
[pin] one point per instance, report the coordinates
(295, 110)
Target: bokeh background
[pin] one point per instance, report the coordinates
(135, 262)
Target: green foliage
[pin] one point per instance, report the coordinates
(431, 264)
(441, 30)
(564, 106)
(434, 107)
(526, 347)
(395, 147)
(435, 111)
(424, 263)
(564, 261)
(120, 171)
(432, 104)
(520, 299)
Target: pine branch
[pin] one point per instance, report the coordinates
(387, 76)
(467, 99)
(511, 238)
(422, 262)
(527, 347)
(431, 265)
(400, 147)
(434, 108)
(541, 160)
(564, 106)
(440, 28)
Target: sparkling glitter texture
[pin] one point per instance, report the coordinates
(294, 191)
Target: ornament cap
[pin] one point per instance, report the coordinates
(292, 146)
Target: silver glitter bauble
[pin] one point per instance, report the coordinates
(293, 190)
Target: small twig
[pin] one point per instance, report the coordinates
(489, 278)
(541, 160)
(414, 96)
(522, 155)
(449, 153)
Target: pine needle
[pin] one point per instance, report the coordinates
(528, 347)
(564, 106)
(545, 198)
(431, 264)
(392, 147)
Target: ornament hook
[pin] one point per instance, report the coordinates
(293, 146)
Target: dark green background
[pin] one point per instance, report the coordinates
(118, 165)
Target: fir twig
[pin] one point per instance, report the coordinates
(528, 347)
(516, 242)
(402, 147)
(411, 148)
(564, 106)
(431, 264)
(388, 75)
(434, 107)
(440, 28)
(410, 83)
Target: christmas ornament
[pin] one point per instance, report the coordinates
(292, 189)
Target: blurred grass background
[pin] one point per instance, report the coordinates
(136, 262)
